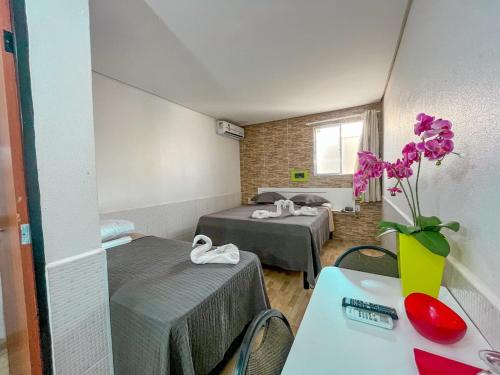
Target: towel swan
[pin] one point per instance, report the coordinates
(204, 254)
(302, 211)
(265, 214)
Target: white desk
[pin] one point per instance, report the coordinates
(329, 343)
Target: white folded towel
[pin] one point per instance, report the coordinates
(303, 211)
(265, 214)
(204, 254)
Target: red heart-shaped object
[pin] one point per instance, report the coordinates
(433, 319)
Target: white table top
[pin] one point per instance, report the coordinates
(329, 343)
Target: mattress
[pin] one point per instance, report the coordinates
(289, 242)
(170, 316)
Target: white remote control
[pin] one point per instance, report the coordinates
(370, 317)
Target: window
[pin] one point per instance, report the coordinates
(336, 146)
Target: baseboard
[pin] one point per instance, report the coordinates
(476, 298)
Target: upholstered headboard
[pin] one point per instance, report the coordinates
(338, 197)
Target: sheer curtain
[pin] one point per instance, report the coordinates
(370, 141)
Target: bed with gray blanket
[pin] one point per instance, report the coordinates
(170, 316)
(289, 242)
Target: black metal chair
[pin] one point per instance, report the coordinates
(384, 263)
(266, 345)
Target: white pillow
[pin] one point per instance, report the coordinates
(115, 228)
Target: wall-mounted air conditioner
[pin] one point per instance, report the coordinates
(230, 130)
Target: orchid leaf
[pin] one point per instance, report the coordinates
(413, 229)
(428, 221)
(435, 228)
(388, 224)
(434, 241)
(383, 232)
(405, 229)
(408, 229)
(451, 225)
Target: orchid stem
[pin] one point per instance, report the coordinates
(407, 200)
(413, 201)
(416, 185)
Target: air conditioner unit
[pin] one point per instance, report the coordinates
(230, 130)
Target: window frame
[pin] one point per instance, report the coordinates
(330, 124)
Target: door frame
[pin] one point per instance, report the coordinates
(21, 61)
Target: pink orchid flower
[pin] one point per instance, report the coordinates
(359, 182)
(410, 153)
(440, 128)
(398, 170)
(370, 164)
(436, 141)
(436, 137)
(394, 190)
(424, 123)
(436, 149)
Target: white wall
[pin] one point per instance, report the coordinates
(62, 106)
(151, 152)
(59, 56)
(448, 65)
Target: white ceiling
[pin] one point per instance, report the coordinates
(249, 61)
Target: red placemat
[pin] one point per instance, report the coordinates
(432, 364)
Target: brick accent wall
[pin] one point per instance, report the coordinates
(270, 150)
(359, 227)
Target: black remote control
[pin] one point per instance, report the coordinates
(370, 307)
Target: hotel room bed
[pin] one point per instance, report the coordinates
(170, 316)
(290, 242)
